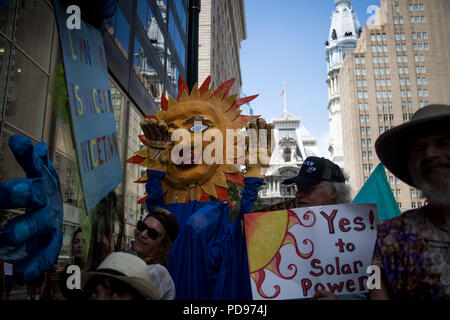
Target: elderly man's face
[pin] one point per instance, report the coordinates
(146, 247)
(318, 195)
(429, 164)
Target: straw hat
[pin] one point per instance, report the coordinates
(127, 268)
(393, 146)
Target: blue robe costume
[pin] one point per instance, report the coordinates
(209, 258)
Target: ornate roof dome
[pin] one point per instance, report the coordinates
(337, 2)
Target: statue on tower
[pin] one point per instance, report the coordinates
(333, 34)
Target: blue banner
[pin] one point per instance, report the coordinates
(91, 108)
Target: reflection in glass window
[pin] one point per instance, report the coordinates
(4, 65)
(119, 107)
(7, 10)
(178, 42)
(172, 70)
(181, 13)
(27, 87)
(34, 30)
(120, 30)
(146, 72)
(9, 168)
(151, 26)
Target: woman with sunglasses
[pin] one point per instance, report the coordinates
(154, 238)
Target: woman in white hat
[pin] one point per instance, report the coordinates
(121, 276)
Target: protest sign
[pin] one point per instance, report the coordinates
(91, 109)
(293, 253)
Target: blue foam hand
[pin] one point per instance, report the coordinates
(32, 241)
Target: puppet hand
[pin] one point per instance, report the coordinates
(156, 136)
(259, 147)
(32, 241)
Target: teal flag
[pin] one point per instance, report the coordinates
(377, 190)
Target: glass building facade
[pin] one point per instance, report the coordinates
(145, 45)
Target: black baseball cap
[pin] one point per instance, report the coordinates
(315, 170)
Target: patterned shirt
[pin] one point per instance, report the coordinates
(414, 255)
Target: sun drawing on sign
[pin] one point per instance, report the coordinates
(200, 112)
(266, 233)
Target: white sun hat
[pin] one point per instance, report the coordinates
(127, 268)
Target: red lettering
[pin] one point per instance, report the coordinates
(359, 221)
(350, 247)
(330, 220)
(362, 281)
(346, 269)
(356, 264)
(108, 147)
(313, 265)
(99, 100)
(318, 287)
(107, 157)
(99, 151)
(337, 265)
(306, 285)
(342, 223)
(350, 283)
(329, 269)
(340, 244)
(336, 287)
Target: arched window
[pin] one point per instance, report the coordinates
(287, 155)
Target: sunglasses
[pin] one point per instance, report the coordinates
(152, 233)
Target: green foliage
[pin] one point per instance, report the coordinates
(60, 98)
(235, 193)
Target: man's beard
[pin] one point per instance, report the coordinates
(436, 194)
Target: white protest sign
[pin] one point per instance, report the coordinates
(294, 253)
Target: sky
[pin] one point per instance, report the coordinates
(285, 41)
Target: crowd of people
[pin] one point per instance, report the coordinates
(412, 250)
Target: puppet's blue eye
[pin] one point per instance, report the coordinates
(198, 127)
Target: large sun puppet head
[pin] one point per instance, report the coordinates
(202, 113)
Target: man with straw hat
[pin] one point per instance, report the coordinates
(121, 276)
(412, 250)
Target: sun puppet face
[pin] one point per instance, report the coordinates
(201, 113)
(197, 117)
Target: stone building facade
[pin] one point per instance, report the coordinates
(222, 27)
(401, 64)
